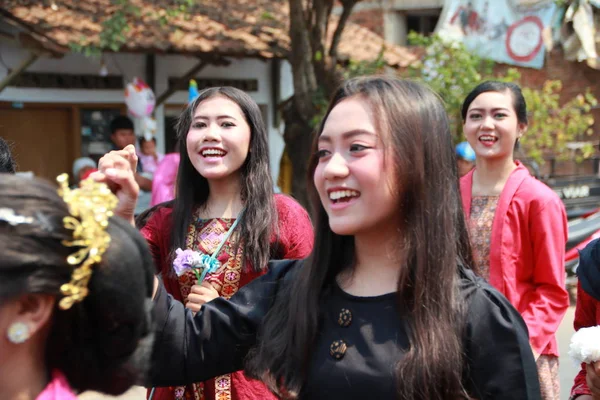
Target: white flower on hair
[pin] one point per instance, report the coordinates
(585, 345)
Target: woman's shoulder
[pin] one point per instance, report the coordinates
(158, 216)
(537, 196)
(287, 204)
(281, 272)
(480, 296)
(534, 189)
(289, 211)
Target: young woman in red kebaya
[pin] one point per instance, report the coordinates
(224, 206)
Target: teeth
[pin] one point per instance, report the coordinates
(339, 194)
(487, 139)
(213, 152)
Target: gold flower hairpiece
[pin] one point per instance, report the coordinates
(90, 205)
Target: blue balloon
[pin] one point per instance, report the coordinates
(465, 151)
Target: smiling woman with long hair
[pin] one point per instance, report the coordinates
(518, 225)
(386, 306)
(224, 207)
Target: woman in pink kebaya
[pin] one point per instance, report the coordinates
(518, 225)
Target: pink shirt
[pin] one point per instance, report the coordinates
(57, 389)
(165, 178)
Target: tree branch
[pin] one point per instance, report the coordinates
(347, 5)
(305, 81)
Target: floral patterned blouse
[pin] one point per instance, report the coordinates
(483, 209)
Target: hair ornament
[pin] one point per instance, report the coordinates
(8, 215)
(90, 206)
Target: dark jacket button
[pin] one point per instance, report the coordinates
(345, 318)
(338, 349)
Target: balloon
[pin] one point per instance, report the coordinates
(148, 127)
(193, 91)
(139, 98)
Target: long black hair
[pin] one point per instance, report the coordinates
(435, 243)
(258, 225)
(104, 342)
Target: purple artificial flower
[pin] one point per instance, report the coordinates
(184, 261)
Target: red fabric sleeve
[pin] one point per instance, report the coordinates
(586, 315)
(152, 233)
(295, 229)
(548, 303)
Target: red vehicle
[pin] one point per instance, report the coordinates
(582, 230)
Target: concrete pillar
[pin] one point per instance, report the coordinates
(395, 27)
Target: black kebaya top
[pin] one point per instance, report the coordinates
(360, 340)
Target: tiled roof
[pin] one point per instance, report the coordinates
(255, 28)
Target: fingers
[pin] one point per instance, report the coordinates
(125, 159)
(593, 379)
(194, 307)
(117, 170)
(199, 295)
(133, 158)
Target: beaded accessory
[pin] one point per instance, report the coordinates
(90, 206)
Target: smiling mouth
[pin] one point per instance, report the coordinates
(213, 153)
(488, 139)
(343, 196)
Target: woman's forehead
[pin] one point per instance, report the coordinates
(352, 113)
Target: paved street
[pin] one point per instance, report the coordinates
(567, 368)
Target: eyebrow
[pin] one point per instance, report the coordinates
(493, 109)
(218, 117)
(348, 135)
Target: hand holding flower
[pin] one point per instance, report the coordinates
(585, 348)
(199, 295)
(593, 379)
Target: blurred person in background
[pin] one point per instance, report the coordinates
(7, 163)
(465, 158)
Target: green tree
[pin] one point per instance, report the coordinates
(452, 71)
(313, 57)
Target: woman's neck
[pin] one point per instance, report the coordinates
(23, 379)
(490, 176)
(378, 260)
(224, 199)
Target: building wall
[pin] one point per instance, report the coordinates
(130, 65)
(576, 77)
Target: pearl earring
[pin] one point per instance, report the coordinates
(18, 332)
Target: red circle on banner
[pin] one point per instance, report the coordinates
(523, 26)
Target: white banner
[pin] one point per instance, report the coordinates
(506, 31)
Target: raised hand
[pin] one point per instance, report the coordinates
(117, 169)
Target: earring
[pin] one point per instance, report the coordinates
(18, 332)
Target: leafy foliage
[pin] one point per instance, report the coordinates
(115, 28)
(556, 127)
(350, 70)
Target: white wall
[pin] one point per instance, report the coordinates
(130, 65)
